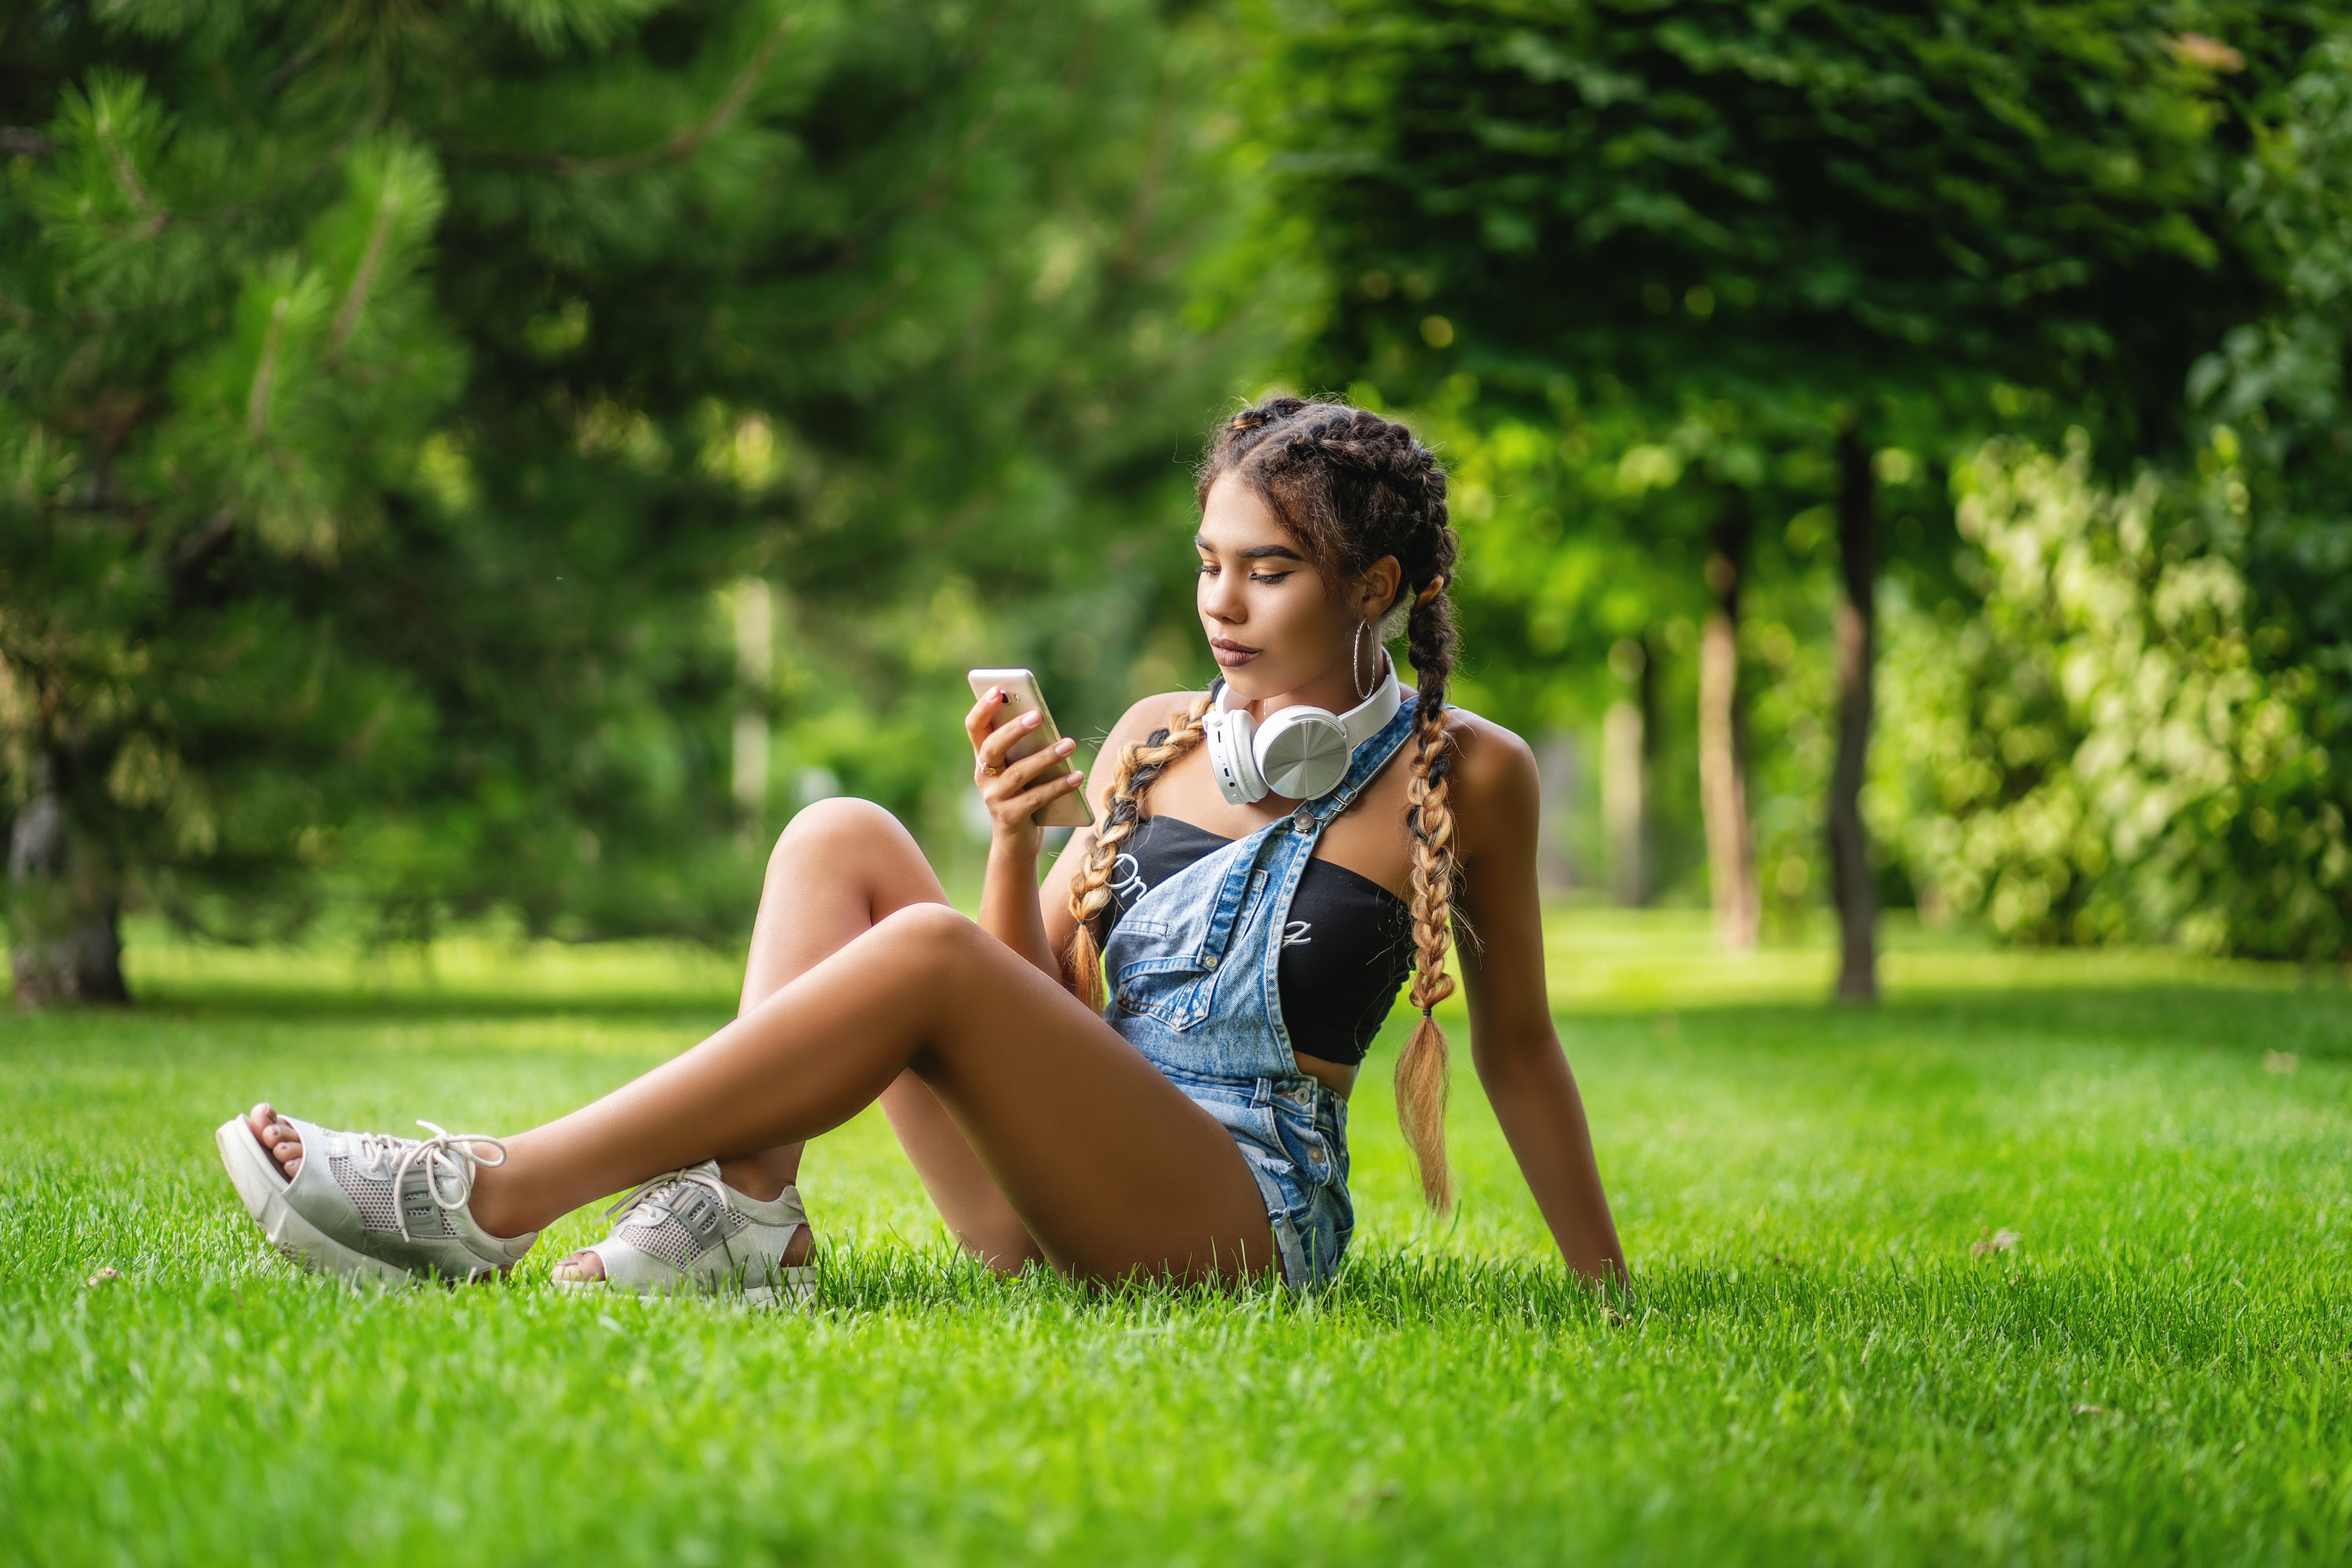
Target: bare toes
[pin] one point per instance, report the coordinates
(581, 1265)
(276, 1137)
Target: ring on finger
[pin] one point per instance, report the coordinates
(989, 772)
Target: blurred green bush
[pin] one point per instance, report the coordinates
(2096, 753)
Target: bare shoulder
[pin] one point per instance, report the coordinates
(1493, 783)
(1134, 727)
(1152, 713)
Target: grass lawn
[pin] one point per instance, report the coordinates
(1820, 1358)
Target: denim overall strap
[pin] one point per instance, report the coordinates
(1289, 862)
(1370, 758)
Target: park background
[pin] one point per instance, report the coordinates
(469, 473)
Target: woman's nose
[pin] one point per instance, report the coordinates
(1217, 601)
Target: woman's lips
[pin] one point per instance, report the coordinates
(1232, 655)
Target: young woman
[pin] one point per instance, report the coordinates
(1193, 1124)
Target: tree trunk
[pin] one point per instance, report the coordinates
(63, 904)
(1722, 742)
(1857, 622)
(755, 670)
(1629, 733)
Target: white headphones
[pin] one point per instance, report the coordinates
(1301, 753)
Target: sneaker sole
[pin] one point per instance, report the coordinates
(263, 1191)
(798, 1288)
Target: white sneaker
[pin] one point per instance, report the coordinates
(688, 1233)
(369, 1206)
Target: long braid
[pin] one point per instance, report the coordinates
(1140, 763)
(1424, 1070)
(1355, 487)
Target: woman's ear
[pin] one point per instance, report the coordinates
(1376, 590)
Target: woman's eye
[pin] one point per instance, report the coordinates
(1208, 568)
(1268, 576)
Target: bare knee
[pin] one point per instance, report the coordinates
(942, 946)
(934, 930)
(836, 832)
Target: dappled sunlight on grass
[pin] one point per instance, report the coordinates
(487, 971)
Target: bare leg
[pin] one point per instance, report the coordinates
(1026, 1116)
(1105, 1163)
(839, 867)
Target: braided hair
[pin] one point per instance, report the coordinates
(1352, 487)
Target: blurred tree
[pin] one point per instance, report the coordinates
(1853, 223)
(386, 396)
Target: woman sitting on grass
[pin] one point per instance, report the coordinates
(1192, 1127)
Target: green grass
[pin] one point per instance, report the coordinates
(1814, 1362)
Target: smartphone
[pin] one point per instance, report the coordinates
(1021, 696)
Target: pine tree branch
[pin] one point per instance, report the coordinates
(363, 277)
(265, 373)
(292, 69)
(935, 190)
(126, 176)
(722, 114)
(192, 552)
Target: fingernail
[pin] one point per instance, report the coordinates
(1066, 747)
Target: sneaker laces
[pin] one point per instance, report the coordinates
(444, 1156)
(644, 1191)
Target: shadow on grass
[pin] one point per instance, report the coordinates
(1399, 1288)
(2172, 1309)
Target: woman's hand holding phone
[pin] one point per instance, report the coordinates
(1010, 789)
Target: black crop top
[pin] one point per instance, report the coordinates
(1346, 953)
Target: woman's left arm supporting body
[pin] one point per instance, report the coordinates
(1499, 945)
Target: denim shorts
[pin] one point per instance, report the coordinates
(1293, 1131)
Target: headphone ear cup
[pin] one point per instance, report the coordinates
(1302, 753)
(1233, 758)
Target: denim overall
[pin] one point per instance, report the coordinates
(1194, 986)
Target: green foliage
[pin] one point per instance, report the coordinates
(386, 401)
(2133, 737)
(2097, 754)
(1796, 206)
(1670, 251)
(1815, 1364)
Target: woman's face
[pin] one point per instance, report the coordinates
(1273, 625)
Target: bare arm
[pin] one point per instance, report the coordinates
(1512, 1041)
(1053, 899)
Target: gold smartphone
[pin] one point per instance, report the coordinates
(1021, 696)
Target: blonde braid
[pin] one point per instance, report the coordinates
(1140, 763)
(1423, 1071)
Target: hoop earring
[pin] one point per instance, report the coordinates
(1354, 644)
